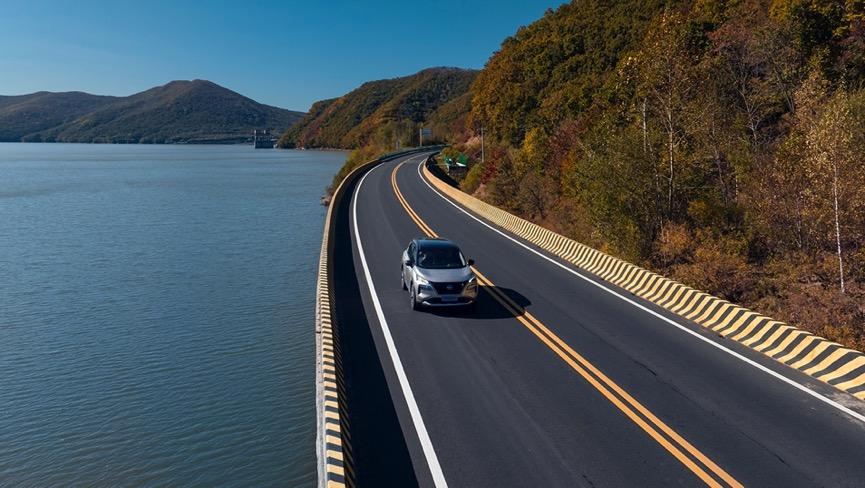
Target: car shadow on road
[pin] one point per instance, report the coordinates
(487, 307)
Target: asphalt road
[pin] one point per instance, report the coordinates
(585, 388)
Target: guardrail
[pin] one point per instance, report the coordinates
(813, 355)
(333, 447)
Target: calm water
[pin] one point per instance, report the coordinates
(156, 314)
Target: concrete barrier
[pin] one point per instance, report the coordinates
(333, 439)
(815, 356)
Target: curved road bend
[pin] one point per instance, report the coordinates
(583, 388)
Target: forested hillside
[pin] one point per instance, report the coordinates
(384, 112)
(22, 115)
(718, 142)
(180, 111)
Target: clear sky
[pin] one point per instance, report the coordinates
(283, 53)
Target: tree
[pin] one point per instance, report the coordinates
(667, 81)
(833, 168)
(828, 146)
(506, 185)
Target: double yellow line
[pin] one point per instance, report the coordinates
(663, 434)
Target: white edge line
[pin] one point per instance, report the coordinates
(753, 363)
(423, 436)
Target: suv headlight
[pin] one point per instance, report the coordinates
(423, 284)
(472, 283)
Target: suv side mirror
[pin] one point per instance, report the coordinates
(407, 261)
(471, 262)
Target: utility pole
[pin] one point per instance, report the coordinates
(422, 131)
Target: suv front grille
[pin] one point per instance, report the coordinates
(449, 288)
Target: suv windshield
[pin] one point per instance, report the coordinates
(440, 257)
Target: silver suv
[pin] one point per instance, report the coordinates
(435, 273)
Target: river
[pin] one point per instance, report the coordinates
(156, 314)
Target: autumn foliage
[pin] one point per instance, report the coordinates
(387, 113)
(718, 142)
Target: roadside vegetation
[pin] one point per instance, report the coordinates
(720, 143)
(381, 116)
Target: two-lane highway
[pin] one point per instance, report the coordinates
(556, 381)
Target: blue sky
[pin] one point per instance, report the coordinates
(283, 53)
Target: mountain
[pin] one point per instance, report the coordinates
(384, 109)
(180, 111)
(27, 114)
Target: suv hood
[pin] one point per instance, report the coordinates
(445, 275)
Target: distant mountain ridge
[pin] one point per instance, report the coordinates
(385, 109)
(196, 111)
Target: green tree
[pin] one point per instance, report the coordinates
(667, 82)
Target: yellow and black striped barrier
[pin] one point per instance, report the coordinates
(333, 439)
(816, 356)
(332, 446)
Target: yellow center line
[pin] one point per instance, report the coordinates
(411, 213)
(627, 404)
